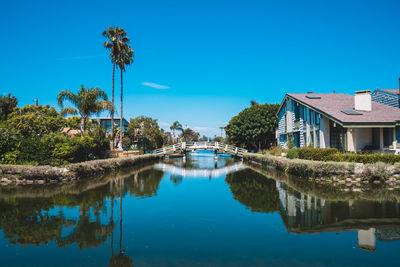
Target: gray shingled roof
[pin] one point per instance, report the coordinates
(391, 91)
(333, 104)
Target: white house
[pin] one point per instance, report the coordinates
(342, 121)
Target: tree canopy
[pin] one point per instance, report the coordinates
(33, 120)
(188, 135)
(254, 126)
(7, 105)
(145, 132)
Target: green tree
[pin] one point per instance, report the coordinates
(204, 138)
(88, 101)
(145, 132)
(188, 135)
(254, 127)
(176, 126)
(116, 40)
(124, 58)
(33, 121)
(7, 105)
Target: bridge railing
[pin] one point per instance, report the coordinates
(190, 146)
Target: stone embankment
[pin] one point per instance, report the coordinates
(23, 174)
(340, 172)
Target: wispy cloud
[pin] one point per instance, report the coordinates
(80, 57)
(154, 85)
(164, 125)
(201, 128)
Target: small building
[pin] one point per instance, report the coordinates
(105, 122)
(342, 121)
(71, 132)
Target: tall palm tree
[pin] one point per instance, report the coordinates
(124, 58)
(176, 126)
(88, 101)
(116, 39)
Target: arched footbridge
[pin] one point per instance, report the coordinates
(186, 147)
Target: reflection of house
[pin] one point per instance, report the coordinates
(302, 213)
(105, 122)
(343, 121)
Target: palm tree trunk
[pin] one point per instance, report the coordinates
(83, 120)
(120, 125)
(112, 110)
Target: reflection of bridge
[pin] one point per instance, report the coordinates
(186, 147)
(199, 173)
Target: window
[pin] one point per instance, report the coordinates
(312, 117)
(336, 135)
(296, 111)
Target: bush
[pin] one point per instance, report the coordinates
(333, 154)
(277, 151)
(319, 154)
(54, 149)
(293, 153)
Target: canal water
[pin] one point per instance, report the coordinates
(196, 212)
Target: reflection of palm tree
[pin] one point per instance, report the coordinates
(121, 259)
(112, 223)
(176, 179)
(86, 234)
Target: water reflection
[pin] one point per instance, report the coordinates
(304, 213)
(124, 215)
(41, 220)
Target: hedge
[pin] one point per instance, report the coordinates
(333, 154)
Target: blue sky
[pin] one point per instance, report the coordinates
(210, 57)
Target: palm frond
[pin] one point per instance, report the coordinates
(66, 111)
(67, 95)
(102, 105)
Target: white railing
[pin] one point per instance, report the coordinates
(192, 146)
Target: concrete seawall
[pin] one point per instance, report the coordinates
(378, 172)
(24, 174)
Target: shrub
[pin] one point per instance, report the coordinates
(333, 154)
(10, 157)
(293, 153)
(277, 151)
(319, 154)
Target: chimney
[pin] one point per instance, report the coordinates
(362, 100)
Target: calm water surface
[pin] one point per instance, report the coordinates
(197, 212)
